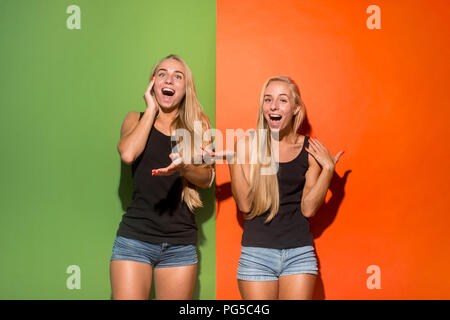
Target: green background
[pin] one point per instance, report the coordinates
(64, 95)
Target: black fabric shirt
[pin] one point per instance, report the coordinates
(289, 228)
(157, 214)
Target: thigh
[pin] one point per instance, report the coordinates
(258, 290)
(258, 273)
(130, 280)
(175, 283)
(297, 286)
(258, 264)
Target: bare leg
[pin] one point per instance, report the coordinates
(258, 290)
(130, 280)
(297, 287)
(175, 283)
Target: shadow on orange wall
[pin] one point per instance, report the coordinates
(323, 218)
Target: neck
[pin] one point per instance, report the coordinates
(287, 135)
(166, 116)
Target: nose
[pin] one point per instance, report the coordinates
(274, 105)
(168, 79)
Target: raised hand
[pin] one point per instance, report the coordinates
(322, 155)
(211, 157)
(150, 100)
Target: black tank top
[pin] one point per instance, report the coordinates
(289, 228)
(157, 214)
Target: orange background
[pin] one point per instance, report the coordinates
(380, 95)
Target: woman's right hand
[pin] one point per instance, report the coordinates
(238, 156)
(149, 98)
(211, 157)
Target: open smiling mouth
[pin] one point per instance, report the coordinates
(168, 92)
(275, 117)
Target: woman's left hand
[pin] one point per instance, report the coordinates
(322, 155)
(176, 165)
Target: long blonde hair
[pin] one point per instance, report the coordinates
(188, 112)
(264, 187)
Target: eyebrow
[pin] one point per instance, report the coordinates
(283, 94)
(168, 71)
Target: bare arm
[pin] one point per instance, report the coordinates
(318, 177)
(240, 176)
(239, 172)
(200, 176)
(316, 187)
(134, 133)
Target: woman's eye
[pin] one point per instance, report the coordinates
(162, 74)
(178, 77)
(267, 100)
(283, 100)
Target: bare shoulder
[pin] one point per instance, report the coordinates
(130, 122)
(311, 160)
(313, 164)
(314, 169)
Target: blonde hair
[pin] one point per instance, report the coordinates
(264, 188)
(188, 112)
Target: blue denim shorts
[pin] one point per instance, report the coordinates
(264, 264)
(161, 255)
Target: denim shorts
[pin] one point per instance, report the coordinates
(264, 264)
(161, 255)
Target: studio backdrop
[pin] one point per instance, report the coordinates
(71, 71)
(374, 79)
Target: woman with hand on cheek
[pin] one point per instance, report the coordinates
(159, 229)
(278, 260)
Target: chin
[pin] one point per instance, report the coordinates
(274, 129)
(165, 105)
(279, 129)
(168, 104)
